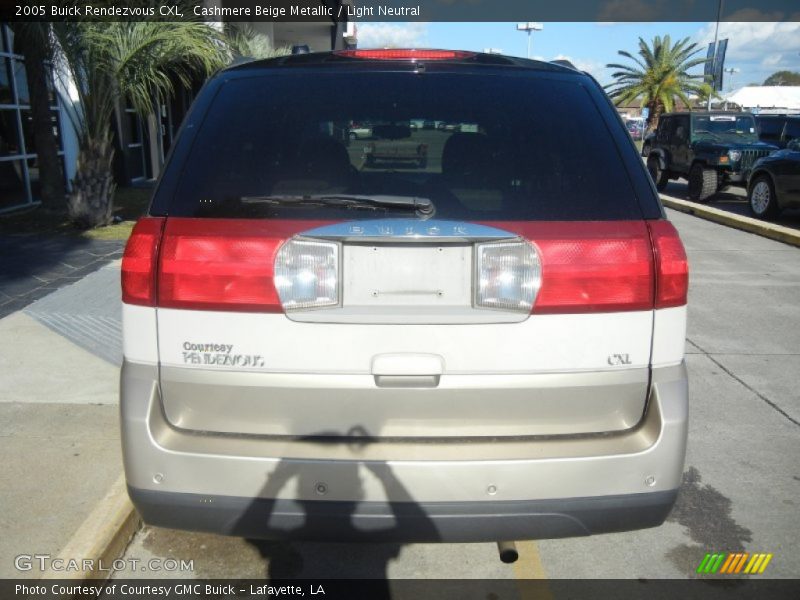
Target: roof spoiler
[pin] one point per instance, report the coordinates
(564, 63)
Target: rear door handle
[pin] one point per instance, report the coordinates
(407, 370)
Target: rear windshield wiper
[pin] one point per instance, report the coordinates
(423, 206)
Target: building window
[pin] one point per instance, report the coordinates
(6, 93)
(19, 165)
(135, 157)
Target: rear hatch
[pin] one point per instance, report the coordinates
(506, 289)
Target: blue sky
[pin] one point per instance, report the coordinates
(756, 49)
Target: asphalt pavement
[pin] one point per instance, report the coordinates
(741, 486)
(59, 424)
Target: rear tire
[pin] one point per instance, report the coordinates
(702, 183)
(761, 198)
(660, 177)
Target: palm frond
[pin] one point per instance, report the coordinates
(243, 41)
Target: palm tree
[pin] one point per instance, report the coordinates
(112, 62)
(245, 43)
(659, 76)
(33, 40)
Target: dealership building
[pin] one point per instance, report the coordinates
(141, 142)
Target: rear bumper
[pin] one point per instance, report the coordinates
(262, 518)
(450, 490)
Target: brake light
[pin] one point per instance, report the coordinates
(139, 262)
(406, 54)
(225, 264)
(672, 266)
(591, 266)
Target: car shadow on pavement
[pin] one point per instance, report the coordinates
(360, 541)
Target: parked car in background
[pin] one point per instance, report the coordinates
(360, 131)
(443, 126)
(636, 128)
(775, 182)
(778, 130)
(394, 147)
(712, 150)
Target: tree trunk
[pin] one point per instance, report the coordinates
(31, 41)
(655, 108)
(90, 203)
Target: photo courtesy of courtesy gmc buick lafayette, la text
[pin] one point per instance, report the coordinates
(477, 335)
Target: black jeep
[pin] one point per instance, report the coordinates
(712, 150)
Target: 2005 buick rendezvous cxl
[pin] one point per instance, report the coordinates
(484, 345)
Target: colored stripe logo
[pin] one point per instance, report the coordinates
(732, 563)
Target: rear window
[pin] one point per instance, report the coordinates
(480, 147)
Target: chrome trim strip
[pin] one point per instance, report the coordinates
(408, 230)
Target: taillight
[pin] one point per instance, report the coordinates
(405, 54)
(508, 275)
(591, 266)
(225, 264)
(672, 266)
(307, 274)
(139, 262)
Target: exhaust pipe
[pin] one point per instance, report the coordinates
(508, 552)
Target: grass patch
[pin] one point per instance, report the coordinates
(129, 204)
(117, 231)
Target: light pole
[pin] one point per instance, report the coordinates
(714, 58)
(529, 27)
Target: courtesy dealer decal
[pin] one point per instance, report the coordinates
(220, 355)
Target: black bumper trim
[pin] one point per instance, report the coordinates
(402, 522)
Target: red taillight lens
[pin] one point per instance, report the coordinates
(139, 262)
(591, 266)
(225, 264)
(406, 54)
(672, 266)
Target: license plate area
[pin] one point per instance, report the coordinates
(418, 274)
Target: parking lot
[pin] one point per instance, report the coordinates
(742, 478)
(734, 200)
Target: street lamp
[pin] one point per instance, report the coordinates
(529, 27)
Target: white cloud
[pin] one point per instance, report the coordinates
(751, 41)
(756, 48)
(390, 35)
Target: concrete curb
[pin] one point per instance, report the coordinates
(762, 228)
(101, 538)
